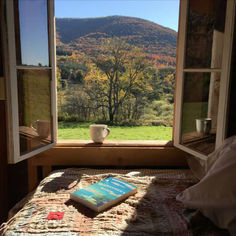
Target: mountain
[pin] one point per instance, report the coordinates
(86, 33)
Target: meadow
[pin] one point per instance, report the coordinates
(75, 130)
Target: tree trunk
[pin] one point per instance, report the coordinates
(111, 116)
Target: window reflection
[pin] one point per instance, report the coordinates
(33, 33)
(205, 33)
(200, 110)
(34, 109)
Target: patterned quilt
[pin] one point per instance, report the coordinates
(153, 210)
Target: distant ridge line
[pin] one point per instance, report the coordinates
(140, 32)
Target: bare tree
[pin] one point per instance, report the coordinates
(119, 68)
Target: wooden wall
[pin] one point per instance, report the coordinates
(13, 178)
(3, 154)
(3, 165)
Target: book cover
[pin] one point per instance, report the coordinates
(104, 193)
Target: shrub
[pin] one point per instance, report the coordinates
(74, 118)
(158, 113)
(130, 123)
(62, 116)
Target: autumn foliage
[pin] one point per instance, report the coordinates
(115, 78)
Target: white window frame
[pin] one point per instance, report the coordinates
(11, 75)
(224, 82)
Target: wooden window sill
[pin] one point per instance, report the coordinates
(114, 143)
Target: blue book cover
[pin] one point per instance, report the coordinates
(104, 193)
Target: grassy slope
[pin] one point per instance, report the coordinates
(81, 131)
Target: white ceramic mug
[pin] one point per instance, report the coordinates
(203, 125)
(42, 127)
(98, 132)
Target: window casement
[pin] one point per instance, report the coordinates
(203, 71)
(31, 77)
(203, 63)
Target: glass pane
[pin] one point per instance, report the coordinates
(200, 107)
(33, 32)
(34, 109)
(205, 33)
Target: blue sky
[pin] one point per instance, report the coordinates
(33, 25)
(163, 12)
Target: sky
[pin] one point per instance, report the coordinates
(33, 25)
(163, 12)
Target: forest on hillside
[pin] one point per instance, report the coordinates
(108, 79)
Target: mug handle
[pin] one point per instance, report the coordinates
(108, 132)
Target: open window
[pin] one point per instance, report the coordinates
(116, 65)
(31, 77)
(203, 70)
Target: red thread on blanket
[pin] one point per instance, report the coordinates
(55, 215)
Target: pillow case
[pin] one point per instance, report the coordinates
(215, 194)
(226, 145)
(200, 167)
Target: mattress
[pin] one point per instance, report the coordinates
(153, 210)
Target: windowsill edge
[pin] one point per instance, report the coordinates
(114, 143)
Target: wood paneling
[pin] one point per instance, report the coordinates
(3, 165)
(17, 182)
(13, 178)
(3, 144)
(111, 156)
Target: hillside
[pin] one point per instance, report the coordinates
(115, 69)
(86, 33)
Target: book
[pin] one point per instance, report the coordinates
(104, 193)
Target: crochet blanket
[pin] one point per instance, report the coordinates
(153, 210)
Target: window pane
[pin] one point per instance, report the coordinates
(205, 33)
(34, 109)
(33, 32)
(200, 107)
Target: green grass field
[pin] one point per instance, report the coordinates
(73, 130)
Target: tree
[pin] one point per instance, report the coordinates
(115, 74)
(167, 79)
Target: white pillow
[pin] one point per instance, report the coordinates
(220, 151)
(215, 194)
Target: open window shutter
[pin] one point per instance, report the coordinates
(203, 71)
(31, 91)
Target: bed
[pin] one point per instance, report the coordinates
(153, 210)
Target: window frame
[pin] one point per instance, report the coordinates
(224, 82)
(12, 90)
(13, 124)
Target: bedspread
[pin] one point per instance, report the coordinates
(153, 210)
